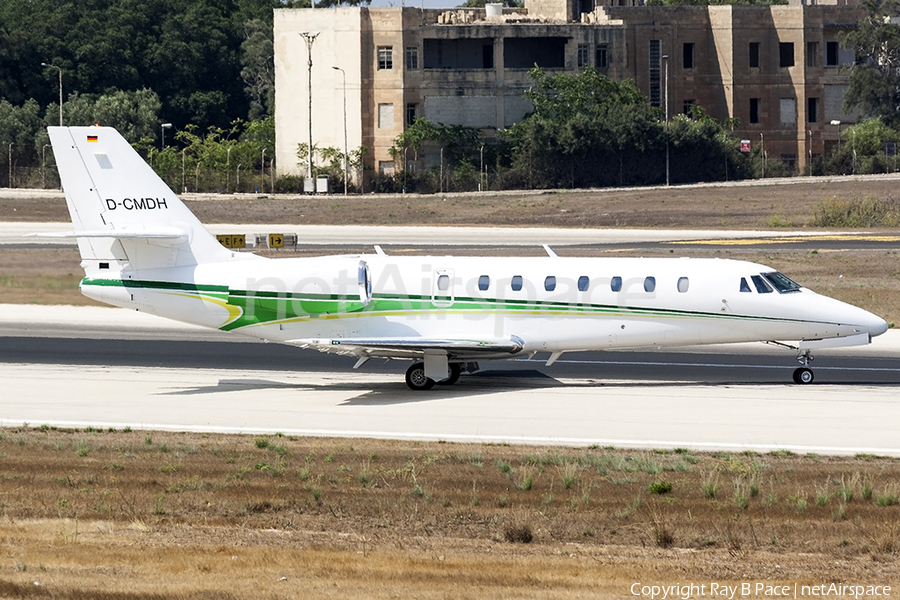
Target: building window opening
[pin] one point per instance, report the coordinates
(812, 110)
(412, 58)
(526, 52)
(385, 57)
(831, 54)
(786, 54)
(754, 110)
(655, 59)
(688, 55)
(385, 116)
(411, 113)
(601, 56)
(584, 56)
(812, 53)
(754, 55)
(487, 56)
(788, 111)
(688, 106)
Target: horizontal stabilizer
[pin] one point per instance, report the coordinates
(159, 233)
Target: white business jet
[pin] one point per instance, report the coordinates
(141, 248)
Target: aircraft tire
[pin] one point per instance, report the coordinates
(415, 378)
(455, 371)
(803, 376)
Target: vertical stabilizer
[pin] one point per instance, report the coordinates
(122, 211)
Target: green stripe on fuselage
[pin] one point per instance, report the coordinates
(269, 308)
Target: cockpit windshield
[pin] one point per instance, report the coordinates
(780, 282)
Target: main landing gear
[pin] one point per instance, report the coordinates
(804, 374)
(417, 381)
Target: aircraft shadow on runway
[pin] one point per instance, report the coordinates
(389, 393)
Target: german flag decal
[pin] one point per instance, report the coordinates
(92, 138)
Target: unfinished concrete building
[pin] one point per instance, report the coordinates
(775, 71)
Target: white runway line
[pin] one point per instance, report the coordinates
(827, 420)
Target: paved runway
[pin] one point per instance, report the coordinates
(114, 368)
(324, 236)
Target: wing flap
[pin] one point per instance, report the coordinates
(457, 349)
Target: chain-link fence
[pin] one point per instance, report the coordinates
(15, 176)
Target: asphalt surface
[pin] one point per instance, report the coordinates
(725, 366)
(103, 367)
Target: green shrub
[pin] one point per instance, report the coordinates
(660, 487)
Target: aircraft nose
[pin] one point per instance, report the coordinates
(875, 325)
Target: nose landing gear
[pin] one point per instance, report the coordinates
(802, 375)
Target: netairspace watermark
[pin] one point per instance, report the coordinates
(683, 591)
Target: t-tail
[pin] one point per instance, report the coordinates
(126, 218)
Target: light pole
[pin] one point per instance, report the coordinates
(227, 168)
(310, 38)
(762, 152)
(344, 75)
(43, 64)
(481, 170)
(43, 164)
(162, 129)
(837, 124)
(11, 144)
(665, 58)
(262, 171)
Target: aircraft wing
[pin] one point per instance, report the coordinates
(456, 349)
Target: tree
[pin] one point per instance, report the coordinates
(135, 114)
(586, 130)
(189, 53)
(23, 127)
(875, 78)
(258, 72)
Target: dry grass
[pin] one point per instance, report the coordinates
(742, 207)
(151, 515)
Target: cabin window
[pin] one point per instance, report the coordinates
(783, 284)
(615, 284)
(550, 283)
(517, 283)
(104, 265)
(761, 286)
(484, 282)
(683, 284)
(649, 284)
(745, 287)
(443, 282)
(583, 282)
